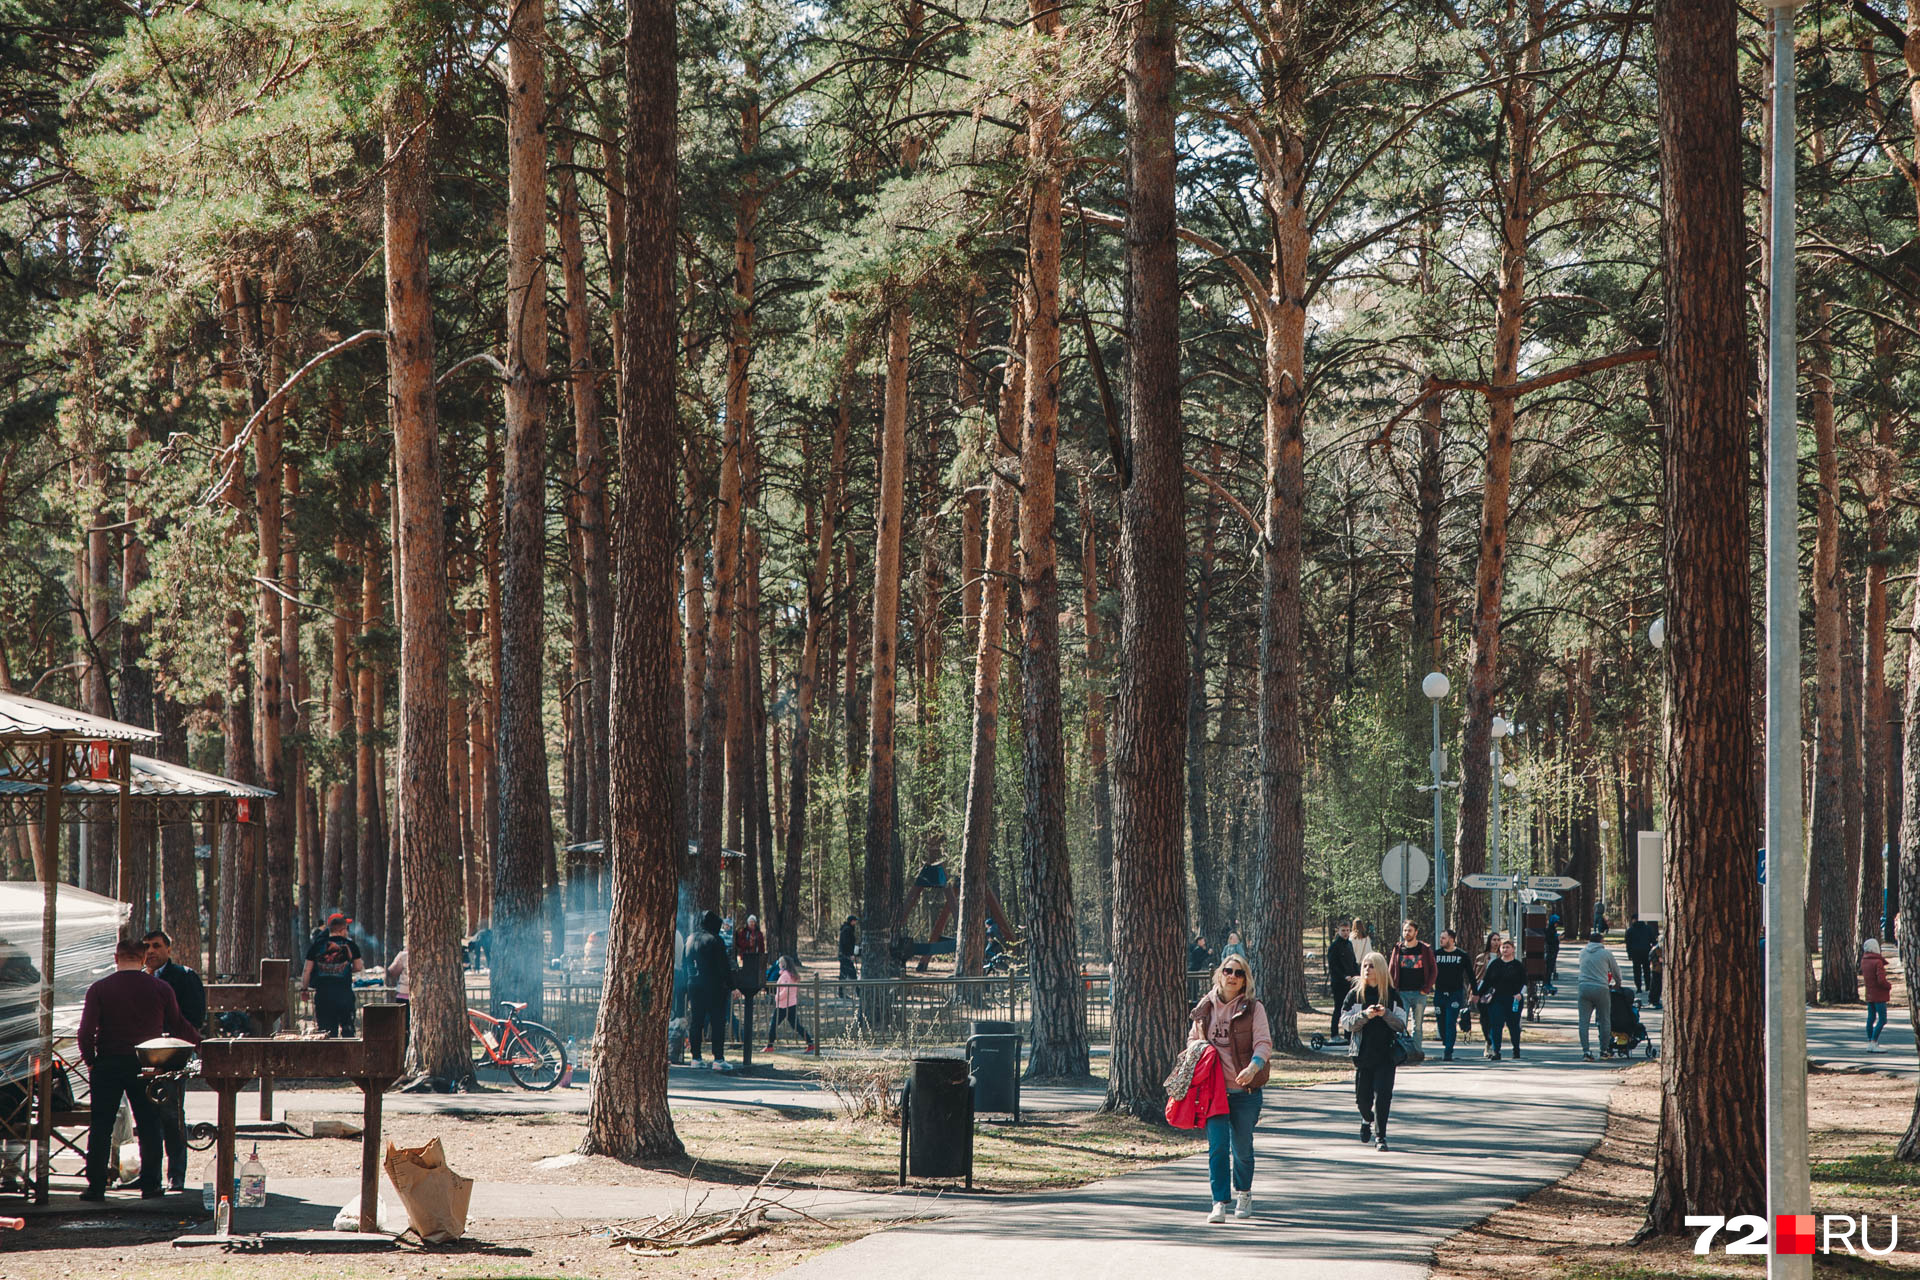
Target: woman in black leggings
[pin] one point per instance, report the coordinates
(1501, 989)
(1372, 1015)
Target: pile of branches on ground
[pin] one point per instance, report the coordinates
(665, 1235)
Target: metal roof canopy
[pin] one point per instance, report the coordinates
(163, 792)
(24, 717)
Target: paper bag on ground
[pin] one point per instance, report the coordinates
(434, 1196)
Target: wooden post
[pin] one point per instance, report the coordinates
(123, 831)
(49, 873)
(372, 1089)
(223, 1145)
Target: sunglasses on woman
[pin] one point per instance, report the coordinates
(1235, 973)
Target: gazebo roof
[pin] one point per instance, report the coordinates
(150, 779)
(24, 717)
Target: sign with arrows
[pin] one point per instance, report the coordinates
(1552, 882)
(1484, 881)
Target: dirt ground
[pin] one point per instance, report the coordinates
(731, 1148)
(1581, 1228)
(1046, 1150)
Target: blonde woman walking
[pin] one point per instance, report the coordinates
(1235, 1024)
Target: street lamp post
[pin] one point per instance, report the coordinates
(1789, 1190)
(1436, 686)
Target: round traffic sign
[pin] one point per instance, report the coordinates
(1414, 859)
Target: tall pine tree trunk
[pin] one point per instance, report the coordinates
(628, 1116)
(1053, 943)
(1876, 760)
(1827, 843)
(270, 691)
(519, 870)
(437, 1016)
(976, 853)
(1149, 869)
(1711, 1149)
(1101, 798)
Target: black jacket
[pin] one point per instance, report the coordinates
(1639, 938)
(709, 972)
(188, 990)
(1372, 1044)
(1341, 966)
(1503, 980)
(848, 940)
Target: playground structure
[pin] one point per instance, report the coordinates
(934, 876)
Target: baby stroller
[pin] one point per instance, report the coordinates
(1629, 1032)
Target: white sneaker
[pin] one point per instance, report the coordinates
(1873, 1046)
(1219, 1213)
(1243, 1205)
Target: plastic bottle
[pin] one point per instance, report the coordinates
(253, 1181)
(208, 1172)
(223, 1219)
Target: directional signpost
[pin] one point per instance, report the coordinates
(1525, 889)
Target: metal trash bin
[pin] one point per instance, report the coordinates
(995, 1060)
(991, 1027)
(936, 1121)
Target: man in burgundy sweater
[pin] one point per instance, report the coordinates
(122, 1009)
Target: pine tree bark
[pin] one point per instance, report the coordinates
(269, 691)
(976, 854)
(877, 923)
(1059, 1039)
(628, 1116)
(1827, 842)
(1149, 869)
(235, 949)
(519, 871)
(179, 874)
(437, 1016)
(1467, 907)
(590, 480)
(372, 842)
(138, 876)
(1711, 1148)
(1876, 759)
(1208, 912)
(1101, 798)
(808, 676)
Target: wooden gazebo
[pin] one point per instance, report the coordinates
(45, 746)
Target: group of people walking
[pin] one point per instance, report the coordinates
(1381, 996)
(713, 961)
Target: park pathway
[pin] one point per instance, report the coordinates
(1468, 1137)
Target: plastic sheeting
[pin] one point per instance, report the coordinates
(85, 929)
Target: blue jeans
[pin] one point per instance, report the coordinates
(1235, 1130)
(1446, 1010)
(1876, 1018)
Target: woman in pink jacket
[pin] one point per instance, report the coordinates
(786, 1004)
(1878, 990)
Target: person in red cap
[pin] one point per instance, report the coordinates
(332, 961)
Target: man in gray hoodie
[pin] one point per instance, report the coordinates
(1597, 966)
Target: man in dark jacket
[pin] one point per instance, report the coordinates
(121, 1010)
(709, 987)
(1639, 944)
(1342, 969)
(170, 1096)
(849, 947)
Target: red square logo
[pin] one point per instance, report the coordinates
(1793, 1233)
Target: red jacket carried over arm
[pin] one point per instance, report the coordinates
(1205, 1098)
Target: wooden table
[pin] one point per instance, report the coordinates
(373, 1060)
(267, 1003)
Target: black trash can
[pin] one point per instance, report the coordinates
(995, 1060)
(991, 1027)
(936, 1121)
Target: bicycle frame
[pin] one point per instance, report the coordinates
(499, 1036)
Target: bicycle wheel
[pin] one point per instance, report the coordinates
(536, 1059)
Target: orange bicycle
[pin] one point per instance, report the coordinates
(532, 1054)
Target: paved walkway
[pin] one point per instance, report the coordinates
(1469, 1137)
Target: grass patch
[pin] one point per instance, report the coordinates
(1044, 1152)
(1878, 1170)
